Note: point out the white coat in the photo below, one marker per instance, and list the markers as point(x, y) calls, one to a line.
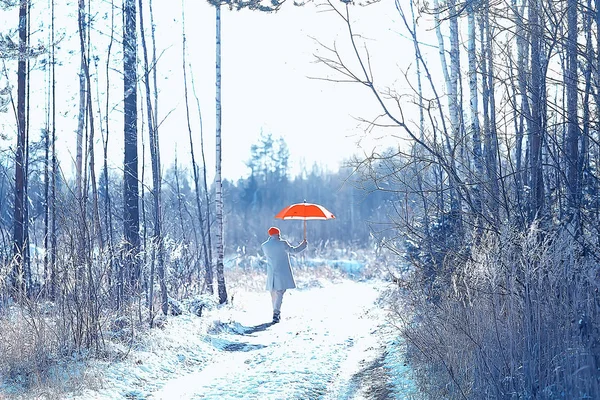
point(279, 271)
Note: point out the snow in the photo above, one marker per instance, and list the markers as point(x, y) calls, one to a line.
point(330, 338)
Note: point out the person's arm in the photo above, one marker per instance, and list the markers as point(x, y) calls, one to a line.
point(297, 249)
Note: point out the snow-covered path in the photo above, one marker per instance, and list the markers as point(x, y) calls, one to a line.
point(327, 336)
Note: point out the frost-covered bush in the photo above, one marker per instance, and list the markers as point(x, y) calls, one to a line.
point(433, 253)
point(120, 328)
point(519, 320)
point(197, 304)
point(175, 307)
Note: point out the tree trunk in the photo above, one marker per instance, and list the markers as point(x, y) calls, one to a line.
point(209, 271)
point(157, 247)
point(82, 113)
point(455, 108)
point(18, 280)
point(535, 127)
point(451, 75)
point(584, 153)
point(85, 70)
point(490, 137)
point(46, 276)
point(524, 110)
point(116, 290)
point(219, 184)
point(26, 248)
point(474, 111)
point(572, 142)
point(131, 216)
point(53, 236)
point(207, 261)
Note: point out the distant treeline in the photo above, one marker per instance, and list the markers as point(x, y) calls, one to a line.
point(250, 206)
point(252, 202)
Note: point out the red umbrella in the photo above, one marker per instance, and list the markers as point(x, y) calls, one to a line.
point(305, 211)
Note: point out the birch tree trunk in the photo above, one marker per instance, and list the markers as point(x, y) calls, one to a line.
point(474, 111)
point(455, 108)
point(451, 74)
point(82, 109)
point(417, 150)
point(26, 248)
point(219, 184)
point(54, 173)
point(47, 286)
point(46, 278)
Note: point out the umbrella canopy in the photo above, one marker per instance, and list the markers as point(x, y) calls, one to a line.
point(305, 211)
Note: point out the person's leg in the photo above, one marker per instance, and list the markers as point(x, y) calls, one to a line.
point(273, 298)
point(277, 298)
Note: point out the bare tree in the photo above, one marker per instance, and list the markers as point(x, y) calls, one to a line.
point(54, 173)
point(157, 239)
point(19, 243)
point(536, 123)
point(222, 290)
point(474, 109)
point(82, 105)
point(572, 143)
point(207, 255)
point(116, 290)
point(490, 143)
point(131, 218)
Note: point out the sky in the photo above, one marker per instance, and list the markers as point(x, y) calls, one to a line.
point(268, 81)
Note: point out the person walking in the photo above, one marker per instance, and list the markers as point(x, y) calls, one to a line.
point(279, 271)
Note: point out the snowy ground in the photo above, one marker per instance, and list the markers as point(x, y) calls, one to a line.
point(333, 343)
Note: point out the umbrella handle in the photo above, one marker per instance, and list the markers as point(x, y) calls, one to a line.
point(304, 229)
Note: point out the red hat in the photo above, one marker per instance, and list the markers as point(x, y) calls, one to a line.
point(274, 231)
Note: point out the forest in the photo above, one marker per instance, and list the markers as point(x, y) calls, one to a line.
point(488, 200)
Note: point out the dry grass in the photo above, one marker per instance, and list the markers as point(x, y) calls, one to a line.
point(34, 358)
point(38, 354)
point(519, 320)
point(43, 350)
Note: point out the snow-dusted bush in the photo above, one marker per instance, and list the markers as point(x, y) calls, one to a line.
point(197, 304)
point(36, 352)
point(175, 307)
point(520, 319)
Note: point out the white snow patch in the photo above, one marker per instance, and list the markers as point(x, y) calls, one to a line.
point(327, 335)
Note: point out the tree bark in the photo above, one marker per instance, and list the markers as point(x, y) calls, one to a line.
point(207, 261)
point(474, 111)
point(490, 135)
point(536, 178)
point(571, 81)
point(53, 236)
point(219, 184)
point(131, 216)
point(156, 183)
point(116, 290)
point(18, 280)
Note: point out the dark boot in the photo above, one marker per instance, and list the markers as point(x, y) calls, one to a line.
point(276, 317)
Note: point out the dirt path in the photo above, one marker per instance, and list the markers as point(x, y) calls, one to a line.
point(327, 346)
